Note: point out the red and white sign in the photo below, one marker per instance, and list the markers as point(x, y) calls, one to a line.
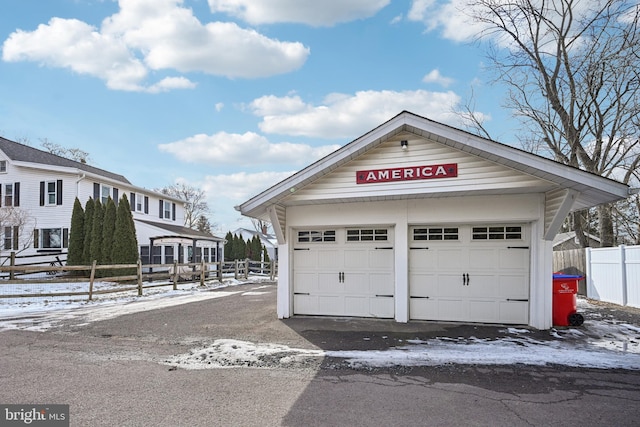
point(411, 173)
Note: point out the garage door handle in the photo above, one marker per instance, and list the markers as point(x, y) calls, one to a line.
point(300, 249)
point(341, 277)
point(518, 300)
point(385, 247)
point(384, 296)
point(419, 297)
point(418, 248)
point(465, 279)
point(301, 293)
point(517, 247)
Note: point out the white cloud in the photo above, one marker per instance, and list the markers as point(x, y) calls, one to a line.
point(170, 83)
point(243, 150)
point(153, 35)
point(348, 116)
point(449, 16)
point(455, 19)
point(239, 187)
point(434, 76)
point(69, 43)
point(310, 12)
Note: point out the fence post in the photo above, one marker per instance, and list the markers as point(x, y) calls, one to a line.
point(202, 272)
point(246, 268)
point(220, 267)
point(235, 273)
point(91, 278)
point(272, 267)
point(623, 273)
point(139, 278)
point(175, 275)
point(12, 272)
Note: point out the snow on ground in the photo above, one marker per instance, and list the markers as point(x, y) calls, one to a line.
point(600, 343)
point(42, 313)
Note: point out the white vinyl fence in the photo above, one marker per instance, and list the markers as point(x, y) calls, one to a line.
point(613, 275)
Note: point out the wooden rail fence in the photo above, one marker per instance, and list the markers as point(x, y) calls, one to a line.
point(142, 276)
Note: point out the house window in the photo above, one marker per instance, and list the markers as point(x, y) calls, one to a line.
point(312, 236)
point(11, 238)
point(435, 233)
point(105, 193)
point(168, 254)
point(54, 238)
point(8, 195)
point(206, 254)
point(367, 235)
point(3, 166)
point(52, 193)
point(144, 254)
point(157, 255)
point(497, 233)
point(166, 210)
point(139, 203)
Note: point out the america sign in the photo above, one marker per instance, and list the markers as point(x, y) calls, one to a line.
point(411, 173)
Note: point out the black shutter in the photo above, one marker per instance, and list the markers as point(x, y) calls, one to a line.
point(41, 193)
point(96, 191)
point(146, 204)
point(173, 211)
point(0, 195)
point(160, 208)
point(65, 237)
point(59, 192)
point(115, 196)
point(16, 194)
point(15, 237)
point(36, 238)
point(133, 201)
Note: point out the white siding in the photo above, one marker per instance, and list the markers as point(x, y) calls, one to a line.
point(74, 184)
point(474, 174)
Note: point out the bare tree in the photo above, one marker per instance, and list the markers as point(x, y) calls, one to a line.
point(70, 153)
point(196, 205)
point(572, 69)
point(16, 230)
point(260, 226)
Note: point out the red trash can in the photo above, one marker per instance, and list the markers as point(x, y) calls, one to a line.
point(565, 302)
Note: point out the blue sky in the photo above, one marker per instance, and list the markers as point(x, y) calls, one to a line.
point(231, 96)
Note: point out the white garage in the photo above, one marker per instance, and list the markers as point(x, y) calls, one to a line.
point(416, 220)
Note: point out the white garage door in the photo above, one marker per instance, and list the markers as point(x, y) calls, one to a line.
point(469, 273)
point(344, 272)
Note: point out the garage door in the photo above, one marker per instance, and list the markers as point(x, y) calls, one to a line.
point(344, 272)
point(469, 273)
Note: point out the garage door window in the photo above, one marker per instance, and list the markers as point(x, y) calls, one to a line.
point(497, 233)
point(367, 235)
point(314, 236)
point(435, 233)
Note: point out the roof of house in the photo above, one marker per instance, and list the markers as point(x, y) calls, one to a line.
point(570, 235)
point(267, 238)
point(591, 189)
point(181, 231)
point(23, 153)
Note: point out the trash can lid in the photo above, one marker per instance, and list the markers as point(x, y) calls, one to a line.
point(566, 276)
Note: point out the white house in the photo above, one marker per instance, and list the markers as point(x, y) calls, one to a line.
point(416, 220)
point(269, 241)
point(44, 186)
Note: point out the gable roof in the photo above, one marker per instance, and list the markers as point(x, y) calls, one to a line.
point(590, 189)
point(23, 153)
point(180, 231)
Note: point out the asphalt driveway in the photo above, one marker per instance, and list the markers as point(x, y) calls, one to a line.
point(130, 370)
